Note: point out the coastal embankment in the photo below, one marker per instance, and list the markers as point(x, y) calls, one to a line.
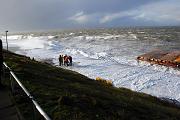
point(66, 94)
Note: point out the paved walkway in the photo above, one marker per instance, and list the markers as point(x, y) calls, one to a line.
point(7, 108)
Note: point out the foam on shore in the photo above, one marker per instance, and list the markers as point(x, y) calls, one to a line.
point(110, 56)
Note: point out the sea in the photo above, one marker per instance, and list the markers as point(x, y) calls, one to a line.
point(109, 53)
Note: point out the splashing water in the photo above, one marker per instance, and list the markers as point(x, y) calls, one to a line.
point(110, 54)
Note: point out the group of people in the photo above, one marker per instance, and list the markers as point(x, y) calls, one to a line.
point(65, 60)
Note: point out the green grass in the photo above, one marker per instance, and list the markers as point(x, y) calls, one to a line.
point(68, 95)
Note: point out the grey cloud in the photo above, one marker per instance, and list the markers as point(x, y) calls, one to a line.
point(52, 14)
point(162, 12)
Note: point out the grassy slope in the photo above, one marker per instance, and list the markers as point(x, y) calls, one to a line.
point(69, 95)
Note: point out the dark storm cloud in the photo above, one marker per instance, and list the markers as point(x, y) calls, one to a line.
point(53, 14)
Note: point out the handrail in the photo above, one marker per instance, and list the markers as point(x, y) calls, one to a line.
point(41, 111)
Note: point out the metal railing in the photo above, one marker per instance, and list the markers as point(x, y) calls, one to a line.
point(36, 105)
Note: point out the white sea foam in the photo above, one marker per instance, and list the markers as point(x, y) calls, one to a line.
point(29, 42)
point(107, 57)
point(133, 36)
point(51, 37)
point(71, 33)
point(13, 37)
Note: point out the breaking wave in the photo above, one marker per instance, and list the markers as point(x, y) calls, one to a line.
point(110, 56)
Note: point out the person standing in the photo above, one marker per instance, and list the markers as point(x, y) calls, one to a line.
point(70, 60)
point(1, 62)
point(66, 60)
point(60, 60)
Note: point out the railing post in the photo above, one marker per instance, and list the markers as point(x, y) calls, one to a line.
point(35, 114)
point(33, 108)
point(12, 84)
point(6, 40)
point(1, 62)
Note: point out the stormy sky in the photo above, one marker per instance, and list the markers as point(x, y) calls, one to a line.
point(27, 15)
